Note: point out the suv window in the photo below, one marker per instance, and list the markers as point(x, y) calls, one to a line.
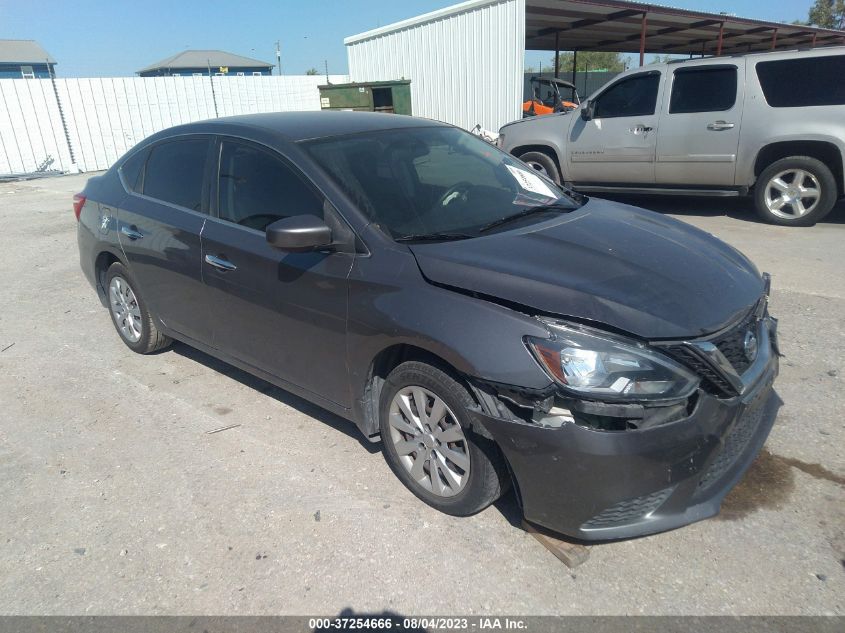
point(704, 89)
point(175, 171)
point(809, 81)
point(131, 170)
point(634, 96)
point(257, 188)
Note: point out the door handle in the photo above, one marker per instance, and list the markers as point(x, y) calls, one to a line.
point(219, 263)
point(641, 129)
point(131, 232)
point(718, 126)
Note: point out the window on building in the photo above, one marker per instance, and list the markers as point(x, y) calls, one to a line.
point(703, 89)
point(634, 96)
point(27, 72)
point(255, 72)
point(257, 188)
point(174, 172)
point(240, 74)
point(806, 81)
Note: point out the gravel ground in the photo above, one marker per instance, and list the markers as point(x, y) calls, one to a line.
point(115, 500)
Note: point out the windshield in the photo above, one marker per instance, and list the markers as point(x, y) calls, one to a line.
point(437, 182)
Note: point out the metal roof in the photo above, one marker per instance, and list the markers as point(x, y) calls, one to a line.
point(203, 59)
point(24, 52)
point(618, 26)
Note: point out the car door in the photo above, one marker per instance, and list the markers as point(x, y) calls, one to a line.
point(159, 225)
point(699, 126)
point(281, 312)
point(617, 145)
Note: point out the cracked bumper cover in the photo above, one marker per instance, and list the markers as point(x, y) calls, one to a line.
point(601, 485)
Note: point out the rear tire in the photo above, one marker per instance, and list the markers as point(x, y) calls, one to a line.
point(795, 191)
point(129, 313)
point(469, 469)
point(543, 163)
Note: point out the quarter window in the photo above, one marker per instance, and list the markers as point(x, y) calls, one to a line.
point(175, 171)
point(705, 89)
point(808, 81)
point(257, 188)
point(131, 170)
point(634, 96)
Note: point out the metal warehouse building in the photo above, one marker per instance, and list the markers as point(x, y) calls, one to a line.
point(465, 62)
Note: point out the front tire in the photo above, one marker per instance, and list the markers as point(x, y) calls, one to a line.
point(795, 191)
point(129, 313)
point(543, 163)
point(428, 443)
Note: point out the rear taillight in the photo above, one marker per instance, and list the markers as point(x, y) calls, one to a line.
point(78, 203)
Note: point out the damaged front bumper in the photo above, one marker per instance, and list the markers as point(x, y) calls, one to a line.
point(599, 485)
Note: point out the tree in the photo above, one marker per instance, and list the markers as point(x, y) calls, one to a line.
point(829, 14)
point(592, 60)
point(312, 71)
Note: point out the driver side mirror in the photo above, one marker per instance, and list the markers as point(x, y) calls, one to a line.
point(587, 110)
point(299, 234)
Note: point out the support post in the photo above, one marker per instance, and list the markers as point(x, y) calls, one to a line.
point(721, 37)
point(557, 54)
point(774, 39)
point(813, 44)
point(643, 25)
point(574, 65)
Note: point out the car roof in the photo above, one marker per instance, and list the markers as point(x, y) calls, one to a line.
point(300, 126)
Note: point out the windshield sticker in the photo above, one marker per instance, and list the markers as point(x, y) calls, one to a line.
point(531, 182)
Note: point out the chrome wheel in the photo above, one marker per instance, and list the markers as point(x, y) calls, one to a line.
point(125, 309)
point(792, 193)
point(429, 441)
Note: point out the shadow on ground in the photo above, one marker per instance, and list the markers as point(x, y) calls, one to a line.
point(262, 386)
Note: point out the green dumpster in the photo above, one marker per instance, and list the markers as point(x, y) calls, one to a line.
point(375, 96)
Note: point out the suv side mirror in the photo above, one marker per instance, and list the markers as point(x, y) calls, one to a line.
point(587, 110)
point(299, 233)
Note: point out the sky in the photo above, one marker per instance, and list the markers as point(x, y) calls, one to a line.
point(103, 38)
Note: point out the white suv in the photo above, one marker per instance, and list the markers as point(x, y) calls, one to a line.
point(770, 125)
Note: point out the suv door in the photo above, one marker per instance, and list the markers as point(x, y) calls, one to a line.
point(699, 127)
point(281, 312)
point(617, 145)
point(159, 225)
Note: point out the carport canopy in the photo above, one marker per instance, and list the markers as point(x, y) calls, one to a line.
point(617, 26)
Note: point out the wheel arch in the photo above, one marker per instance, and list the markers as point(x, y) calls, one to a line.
point(825, 151)
point(105, 258)
point(384, 362)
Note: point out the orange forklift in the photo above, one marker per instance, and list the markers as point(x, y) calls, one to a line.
point(550, 95)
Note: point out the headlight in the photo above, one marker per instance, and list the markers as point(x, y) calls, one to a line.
point(602, 366)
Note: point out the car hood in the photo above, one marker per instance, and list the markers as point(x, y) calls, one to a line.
point(631, 269)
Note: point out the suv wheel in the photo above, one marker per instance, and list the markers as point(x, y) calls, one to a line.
point(538, 161)
point(428, 444)
point(795, 191)
point(129, 313)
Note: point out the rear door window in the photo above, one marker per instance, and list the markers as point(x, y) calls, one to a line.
point(634, 96)
point(808, 81)
point(257, 188)
point(175, 171)
point(703, 89)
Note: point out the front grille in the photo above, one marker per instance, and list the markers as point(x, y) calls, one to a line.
point(735, 443)
point(630, 510)
point(713, 380)
point(732, 345)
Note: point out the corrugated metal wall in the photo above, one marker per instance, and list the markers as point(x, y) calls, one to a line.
point(465, 65)
point(105, 117)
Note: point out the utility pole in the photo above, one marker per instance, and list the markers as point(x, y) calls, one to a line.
point(279, 56)
point(326, 64)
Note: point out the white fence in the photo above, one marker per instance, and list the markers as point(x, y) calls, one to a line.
point(105, 117)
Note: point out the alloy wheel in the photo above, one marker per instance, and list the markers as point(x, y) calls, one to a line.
point(792, 193)
point(429, 441)
point(125, 309)
point(537, 167)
